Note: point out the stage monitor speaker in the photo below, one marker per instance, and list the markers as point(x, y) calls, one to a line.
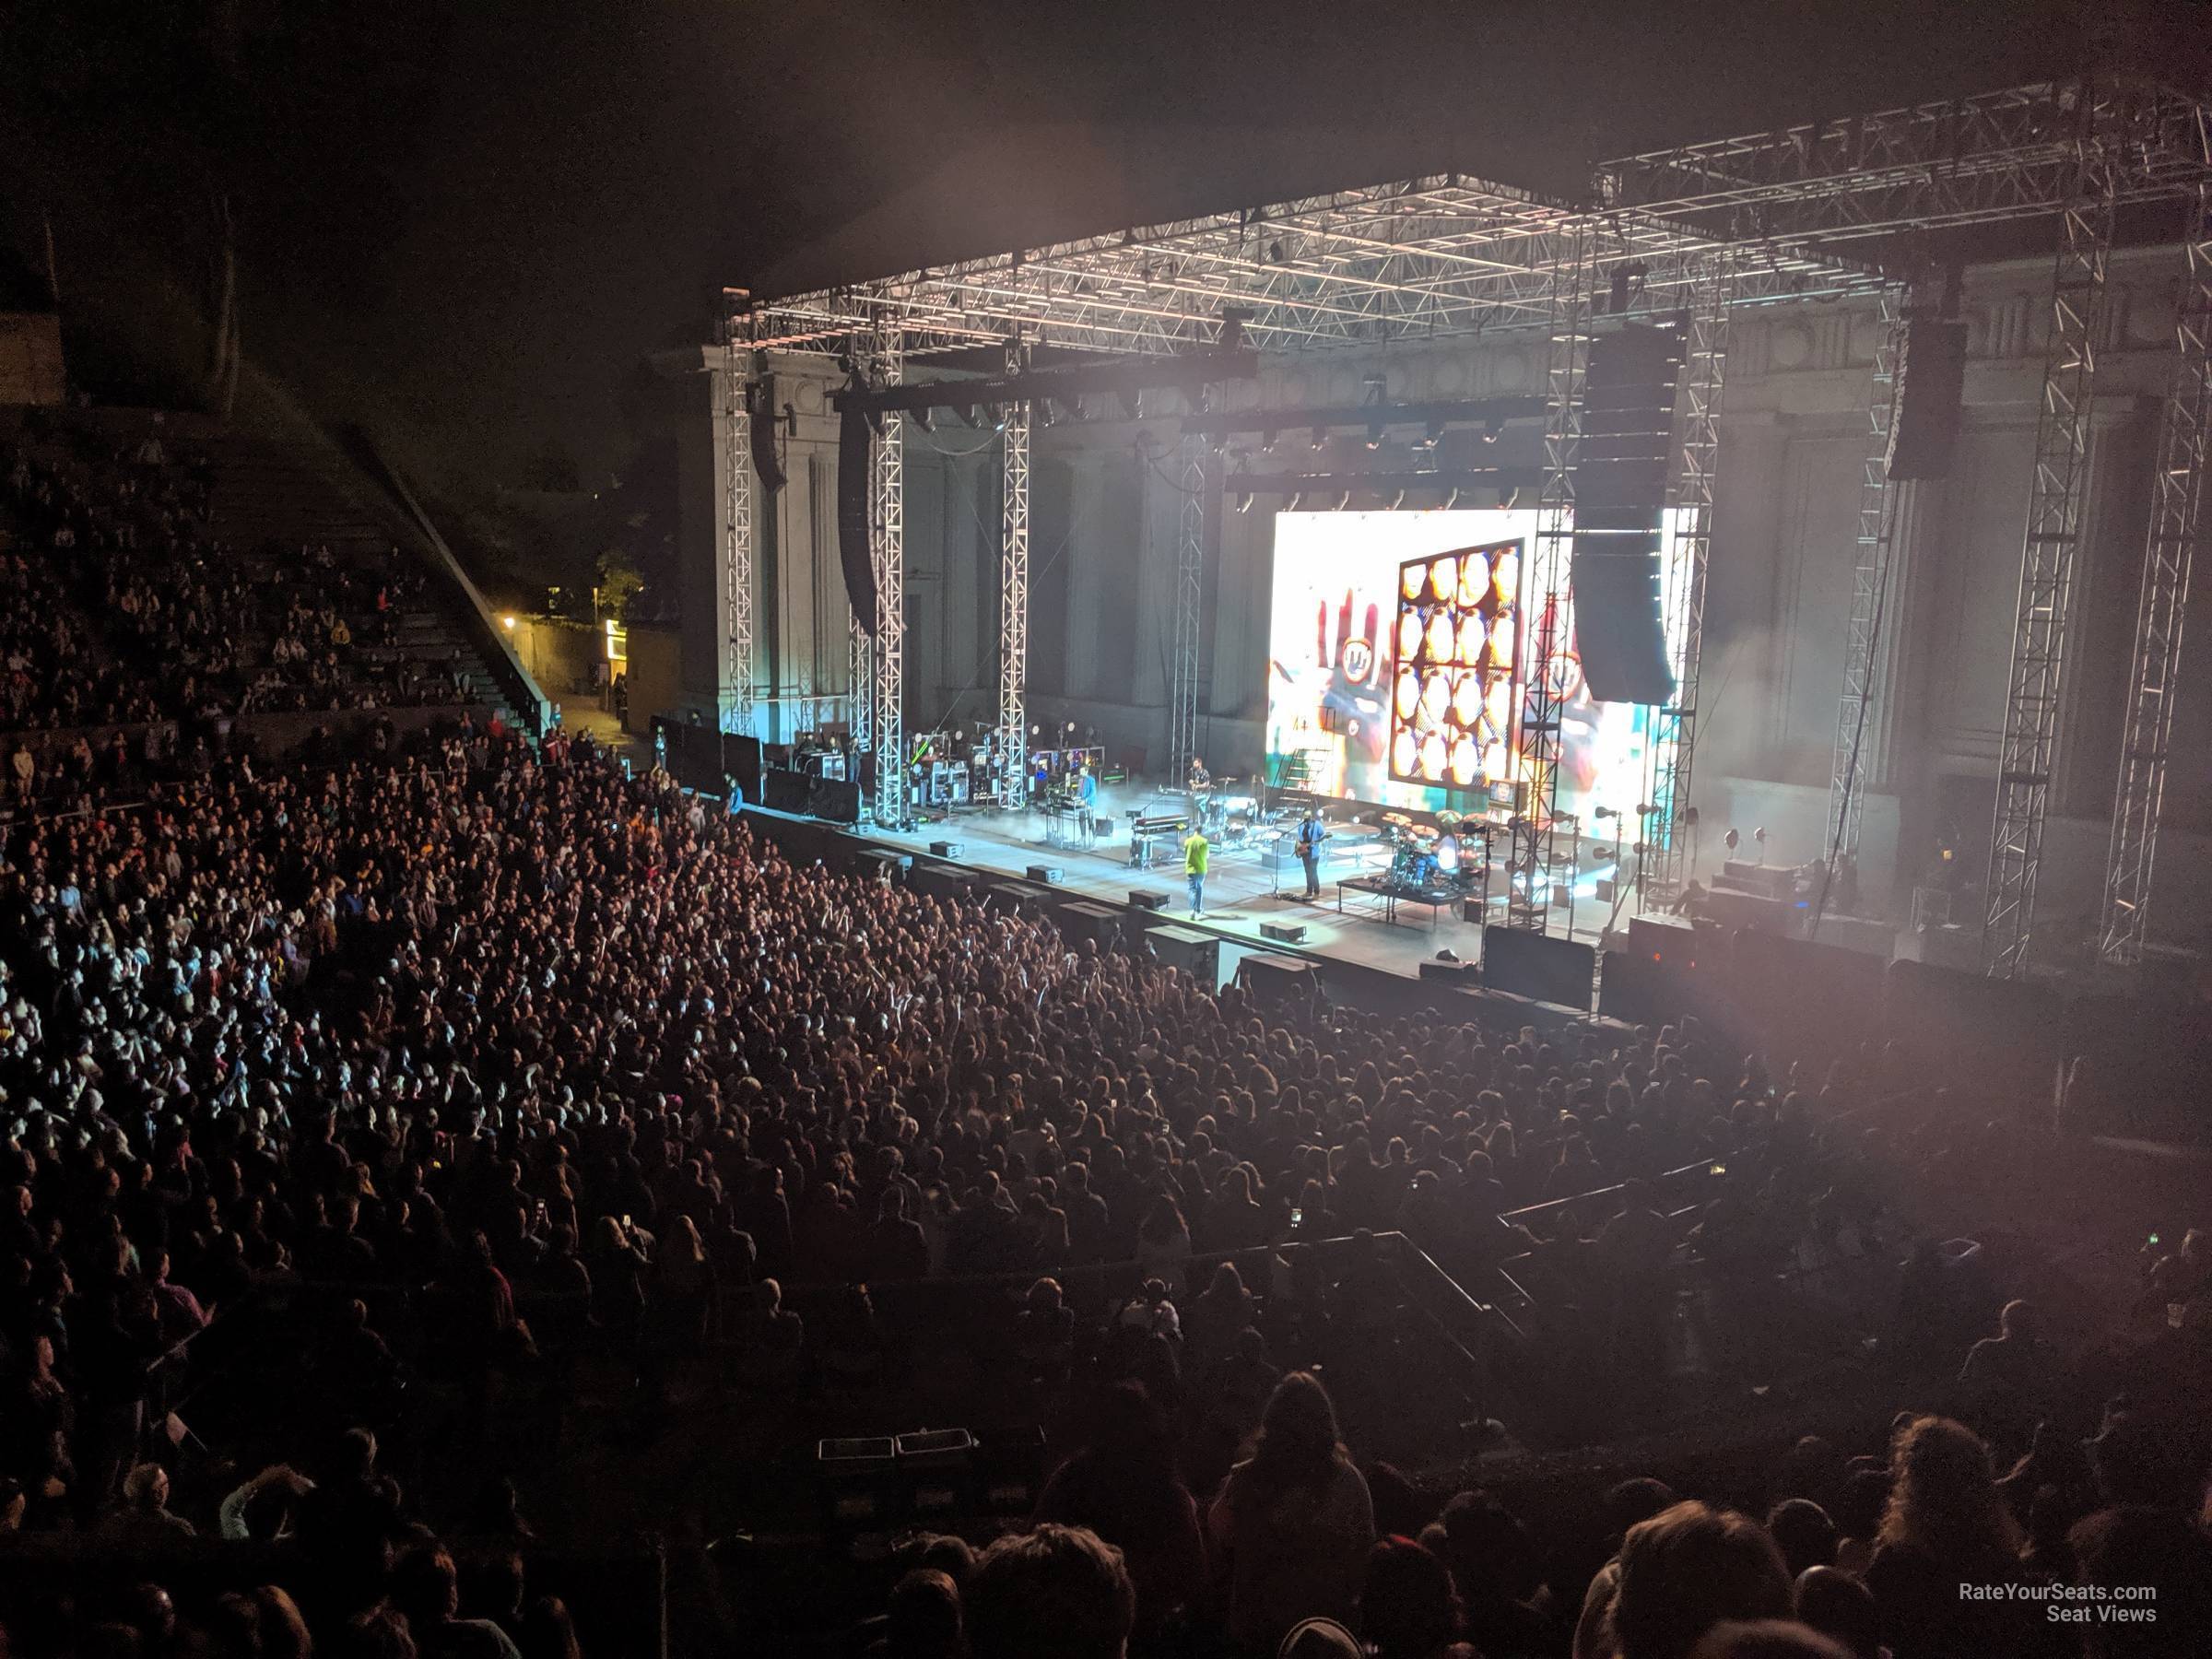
point(1536, 965)
point(1662, 939)
point(760, 405)
point(856, 472)
point(1274, 979)
point(1620, 513)
point(1931, 372)
point(1459, 974)
point(1197, 954)
point(1046, 874)
point(1284, 933)
point(948, 848)
point(1081, 919)
point(1147, 899)
point(1634, 989)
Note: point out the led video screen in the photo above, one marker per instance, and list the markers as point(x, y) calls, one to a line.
point(1372, 694)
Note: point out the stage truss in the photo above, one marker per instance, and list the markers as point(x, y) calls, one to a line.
point(1014, 599)
point(737, 532)
point(1793, 211)
point(1185, 646)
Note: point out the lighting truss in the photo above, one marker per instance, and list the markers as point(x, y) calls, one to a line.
point(1869, 597)
point(1190, 611)
point(1536, 859)
point(2055, 488)
point(1970, 160)
point(860, 689)
point(886, 548)
point(2184, 436)
point(737, 529)
point(1014, 600)
point(1696, 458)
point(1425, 258)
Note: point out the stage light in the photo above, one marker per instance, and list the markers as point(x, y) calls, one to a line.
point(1244, 501)
point(1344, 500)
point(1274, 251)
point(1374, 434)
point(1132, 402)
point(1321, 437)
point(508, 623)
point(1267, 437)
point(1397, 501)
point(971, 417)
point(1433, 431)
point(920, 417)
point(1490, 434)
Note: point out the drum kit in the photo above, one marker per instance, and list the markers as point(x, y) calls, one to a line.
point(1426, 857)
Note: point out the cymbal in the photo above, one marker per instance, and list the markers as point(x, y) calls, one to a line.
point(1400, 819)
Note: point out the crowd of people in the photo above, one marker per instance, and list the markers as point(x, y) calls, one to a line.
point(587, 1066)
point(125, 604)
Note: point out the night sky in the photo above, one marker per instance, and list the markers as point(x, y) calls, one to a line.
point(464, 223)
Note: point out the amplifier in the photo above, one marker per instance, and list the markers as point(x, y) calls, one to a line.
point(1048, 873)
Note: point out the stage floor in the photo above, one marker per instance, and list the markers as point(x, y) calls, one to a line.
point(1240, 892)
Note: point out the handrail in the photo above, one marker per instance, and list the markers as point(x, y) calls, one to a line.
point(1620, 1186)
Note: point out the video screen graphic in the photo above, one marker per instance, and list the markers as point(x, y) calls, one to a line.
point(1452, 691)
point(1336, 653)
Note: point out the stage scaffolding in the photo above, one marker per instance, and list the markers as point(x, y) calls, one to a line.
point(1787, 213)
point(1869, 600)
point(1014, 600)
point(737, 532)
point(2178, 482)
point(887, 546)
point(1184, 667)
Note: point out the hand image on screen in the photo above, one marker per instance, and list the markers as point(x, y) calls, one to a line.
point(1353, 708)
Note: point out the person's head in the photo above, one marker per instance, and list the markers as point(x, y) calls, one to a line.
point(1942, 1499)
point(1408, 1606)
point(2020, 1321)
point(1766, 1639)
point(426, 1588)
point(1689, 1569)
point(1635, 1499)
point(1054, 1589)
point(381, 1632)
point(547, 1630)
point(1297, 1429)
point(147, 1486)
point(1835, 1604)
point(283, 1631)
point(924, 1617)
point(1802, 1531)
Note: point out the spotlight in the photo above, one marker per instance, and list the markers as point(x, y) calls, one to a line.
point(1490, 434)
point(1374, 434)
point(1321, 436)
point(1274, 251)
point(1268, 437)
point(1245, 502)
point(920, 417)
point(1071, 727)
point(1376, 386)
point(1132, 402)
point(1430, 434)
point(971, 418)
point(1036, 730)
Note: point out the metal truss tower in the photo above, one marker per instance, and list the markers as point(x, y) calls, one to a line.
point(1674, 728)
point(1190, 614)
point(2052, 536)
point(738, 523)
point(1870, 594)
point(1014, 600)
point(2185, 437)
point(887, 546)
point(1536, 861)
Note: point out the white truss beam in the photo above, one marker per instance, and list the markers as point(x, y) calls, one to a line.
point(1697, 463)
point(1014, 601)
point(2026, 759)
point(737, 522)
point(886, 548)
point(1541, 850)
point(1186, 648)
point(1869, 596)
point(2178, 487)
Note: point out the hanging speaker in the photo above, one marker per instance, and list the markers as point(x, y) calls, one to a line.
point(1931, 370)
point(855, 469)
point(760, 404)
point(1619, 508)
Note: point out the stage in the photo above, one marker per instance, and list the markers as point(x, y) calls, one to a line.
point(1241, 892)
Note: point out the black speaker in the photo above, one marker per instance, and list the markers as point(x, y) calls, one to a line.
point(782, 790)
point(1619, 507)
point(741, 761)
point(760, 404)
point(837, 799)
point(1532, 964)
point(1931, 372)
point(855, 468)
